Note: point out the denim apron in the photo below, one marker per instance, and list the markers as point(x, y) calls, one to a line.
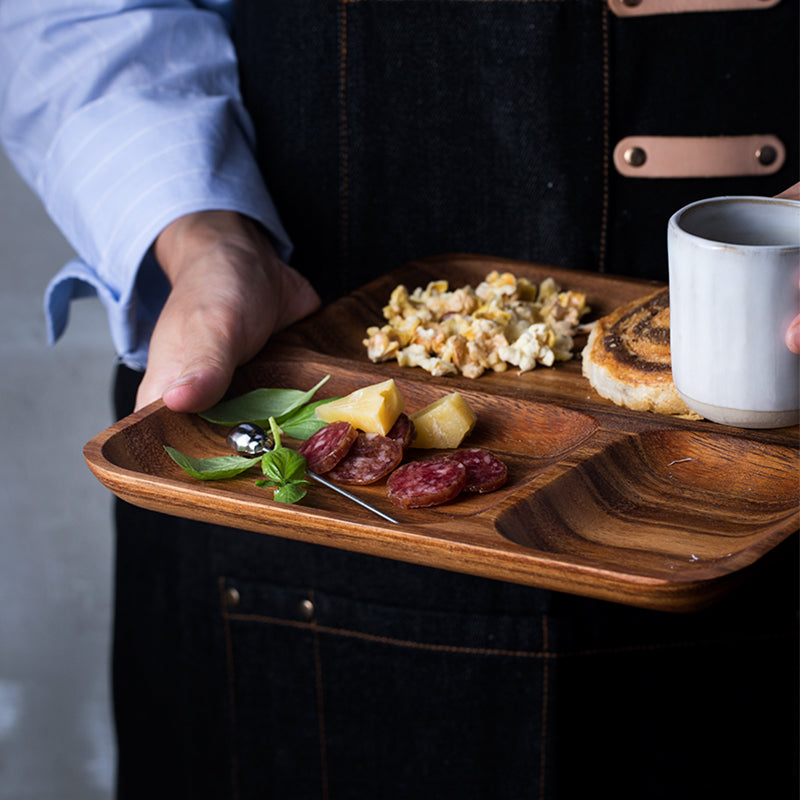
point(255, 666)
point(394, 129)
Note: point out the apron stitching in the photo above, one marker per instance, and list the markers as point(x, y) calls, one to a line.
point(389, 640)
point(344, 152)
point(601, 266)
point(231, 689)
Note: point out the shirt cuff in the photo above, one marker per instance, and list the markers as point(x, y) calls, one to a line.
point(120, 171)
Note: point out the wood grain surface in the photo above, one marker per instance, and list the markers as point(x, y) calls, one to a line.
point(601, 501)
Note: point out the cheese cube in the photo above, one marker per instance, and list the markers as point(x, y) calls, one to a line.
point(372, 409)
point(444, 423)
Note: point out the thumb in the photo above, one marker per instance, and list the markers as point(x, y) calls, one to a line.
point(189, 367)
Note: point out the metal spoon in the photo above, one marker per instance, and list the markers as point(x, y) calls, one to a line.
point(249, 439)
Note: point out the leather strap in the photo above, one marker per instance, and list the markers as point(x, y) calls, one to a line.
point(698, 156)
point(644, 8)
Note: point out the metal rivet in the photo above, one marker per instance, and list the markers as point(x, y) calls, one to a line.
point(766, 155)
point(635, 156)
point(232, 597)
point(306, 609)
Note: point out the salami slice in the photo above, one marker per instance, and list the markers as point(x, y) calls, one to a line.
point(485, 471)
point(420, 484)
point(403, 430)
point(324, 449)
point(370, 458)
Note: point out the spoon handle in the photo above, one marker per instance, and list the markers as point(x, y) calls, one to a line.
point(349, 496)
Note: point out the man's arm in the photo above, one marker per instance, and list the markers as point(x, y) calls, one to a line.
point(125, 116)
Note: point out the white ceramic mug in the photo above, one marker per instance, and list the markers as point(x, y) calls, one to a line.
point(734, 275)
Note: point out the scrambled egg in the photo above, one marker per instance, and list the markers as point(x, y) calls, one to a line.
point(503, 321)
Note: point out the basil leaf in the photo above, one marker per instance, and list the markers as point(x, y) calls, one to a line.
point(295, 466)
point(211, 469)
point(283, 465)
point(259, 405)
point(286, 411)
point(284, 469)
point(290, 493)
point(302, 422)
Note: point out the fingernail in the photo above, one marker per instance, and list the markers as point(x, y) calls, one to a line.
point(184, 380)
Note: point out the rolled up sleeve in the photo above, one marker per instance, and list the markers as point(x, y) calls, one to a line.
point(122, 121)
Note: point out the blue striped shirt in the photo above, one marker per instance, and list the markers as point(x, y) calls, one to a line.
point(123, 115)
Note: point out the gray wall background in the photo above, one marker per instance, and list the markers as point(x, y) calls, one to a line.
point(56, 547)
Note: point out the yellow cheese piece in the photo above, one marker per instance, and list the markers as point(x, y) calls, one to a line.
point(444, 423)
point(372, 409)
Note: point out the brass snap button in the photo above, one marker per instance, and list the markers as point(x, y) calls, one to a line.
point(306, 609)
point(232, 597)
point(635, 156)
point(766, 155)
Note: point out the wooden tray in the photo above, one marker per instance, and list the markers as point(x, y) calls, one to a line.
point(604, 502)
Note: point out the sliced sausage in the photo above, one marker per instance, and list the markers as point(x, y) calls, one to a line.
point(403, 430)
point(419, 484)
point(324, 449)
point(371, 457)
point(485, 471)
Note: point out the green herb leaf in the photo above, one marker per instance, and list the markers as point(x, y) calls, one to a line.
point(283, 465)
point(286, 411)
point(259, 405)
point(291, 492)
point(211, 469)
point(284, 470)
point(275, 430)
point(302, 422)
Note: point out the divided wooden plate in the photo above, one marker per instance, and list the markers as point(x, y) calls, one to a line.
point(601, 501)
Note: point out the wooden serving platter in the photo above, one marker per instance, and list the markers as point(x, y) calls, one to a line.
point(601, 501)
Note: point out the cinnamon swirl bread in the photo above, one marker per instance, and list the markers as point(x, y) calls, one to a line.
point(627, 357)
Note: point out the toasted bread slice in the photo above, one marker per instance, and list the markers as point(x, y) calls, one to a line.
point(627, 357)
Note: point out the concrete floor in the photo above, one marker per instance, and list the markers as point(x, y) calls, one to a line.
point(56, 548)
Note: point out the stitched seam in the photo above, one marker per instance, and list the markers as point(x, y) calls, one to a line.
point(323, 744)
point(387, 640)
point(231, 689)
point(601, 266)
point(344, 144)
point(543, 654)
